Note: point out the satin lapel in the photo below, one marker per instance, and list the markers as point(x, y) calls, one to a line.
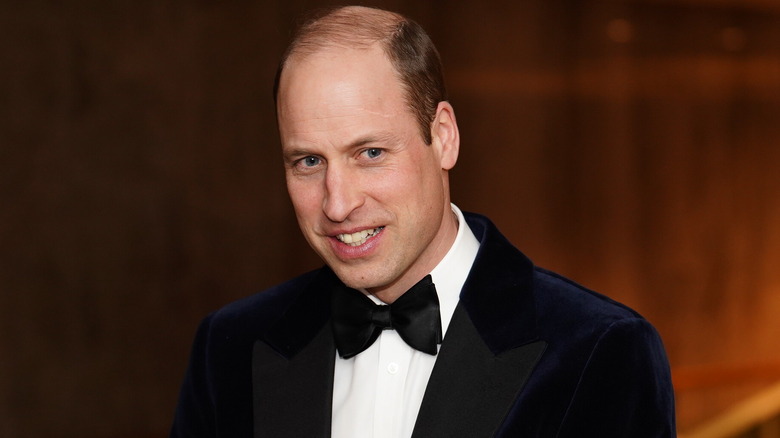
point(292, 367)
point(471, 389)
point(292, 397)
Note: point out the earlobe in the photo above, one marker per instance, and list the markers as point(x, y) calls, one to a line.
point(445, 135)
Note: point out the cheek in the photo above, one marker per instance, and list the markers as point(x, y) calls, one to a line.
point(393, 189)
point(304, 197)
point(414, 182)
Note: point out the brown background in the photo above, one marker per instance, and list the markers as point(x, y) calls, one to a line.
point(631, 145)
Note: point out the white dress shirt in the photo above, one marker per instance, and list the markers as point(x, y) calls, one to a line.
point(377, 394)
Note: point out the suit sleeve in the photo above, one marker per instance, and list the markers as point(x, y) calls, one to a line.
point(194, 416)
point(625, 390)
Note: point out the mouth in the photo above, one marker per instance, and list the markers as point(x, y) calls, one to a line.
point(360, 237)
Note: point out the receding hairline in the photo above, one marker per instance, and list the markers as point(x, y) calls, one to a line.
point(336, 50)
point(345, 27)
point(405, 44)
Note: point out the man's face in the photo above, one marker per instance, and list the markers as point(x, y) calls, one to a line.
point(371, 198)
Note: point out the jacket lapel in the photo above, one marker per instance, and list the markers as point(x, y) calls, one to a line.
point(491, 346)
point(280, 410)
point(471, 389)
point(296, 357)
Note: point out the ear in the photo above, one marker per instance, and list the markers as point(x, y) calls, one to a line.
point(445, 136)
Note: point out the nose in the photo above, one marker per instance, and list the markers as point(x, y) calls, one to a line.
point(342, 194)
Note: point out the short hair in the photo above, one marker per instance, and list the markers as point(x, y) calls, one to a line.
point(407, 45)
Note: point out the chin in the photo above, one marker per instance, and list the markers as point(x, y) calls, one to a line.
point(357, 278)
point(355, 282)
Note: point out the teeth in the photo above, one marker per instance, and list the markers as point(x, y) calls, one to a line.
point(359, 238)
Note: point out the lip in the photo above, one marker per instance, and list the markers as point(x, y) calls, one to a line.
point(347, 252)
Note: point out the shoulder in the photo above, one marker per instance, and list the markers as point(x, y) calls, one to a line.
point(554, 291)
point(582, 320)
point(601, 353)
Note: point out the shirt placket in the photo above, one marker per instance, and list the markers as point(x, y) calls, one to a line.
point(392, 369)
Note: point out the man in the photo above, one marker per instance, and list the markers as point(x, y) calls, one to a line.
point(497, 347)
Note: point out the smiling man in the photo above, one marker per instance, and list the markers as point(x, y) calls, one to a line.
point(425, 321)
point(372, 198)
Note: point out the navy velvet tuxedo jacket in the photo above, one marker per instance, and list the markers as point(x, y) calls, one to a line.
point(527, 354)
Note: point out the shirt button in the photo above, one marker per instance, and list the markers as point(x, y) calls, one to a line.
point(392, 368)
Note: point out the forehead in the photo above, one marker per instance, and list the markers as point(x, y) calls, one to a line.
point(339, 77)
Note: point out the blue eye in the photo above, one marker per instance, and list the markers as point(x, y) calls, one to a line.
point(310, 161)
point(373, 152)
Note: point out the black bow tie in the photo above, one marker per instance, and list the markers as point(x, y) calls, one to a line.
point(357, 321)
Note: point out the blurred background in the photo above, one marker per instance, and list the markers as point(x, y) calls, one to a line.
point(630, 145)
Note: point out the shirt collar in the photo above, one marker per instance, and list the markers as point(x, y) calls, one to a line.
point(451, 272)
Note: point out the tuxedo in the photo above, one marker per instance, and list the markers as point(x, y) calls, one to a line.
point(527, 353)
